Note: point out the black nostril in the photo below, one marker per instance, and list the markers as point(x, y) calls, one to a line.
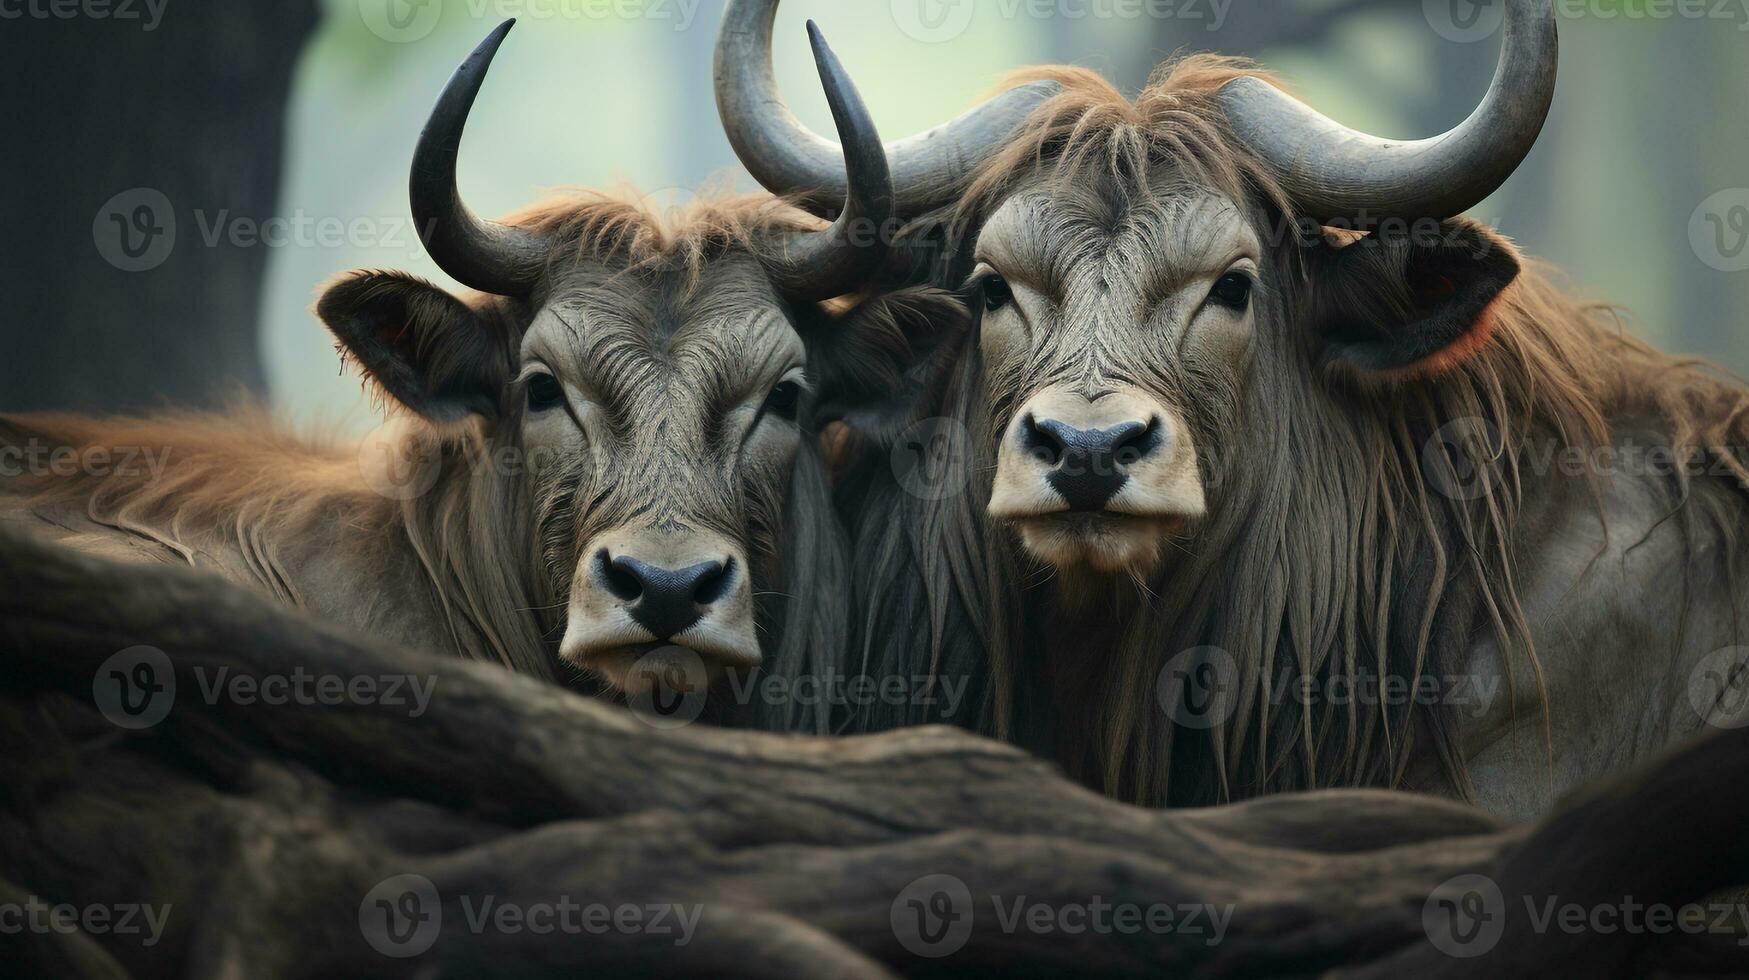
point(1135, 441)
point(715, 582)
point(1090, 465)
point(1041, 441)
point(617, 577)
point(1122, 444)
point(665, 601)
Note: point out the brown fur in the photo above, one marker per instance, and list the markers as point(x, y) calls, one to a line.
point(1328, 553)
point(490, 554)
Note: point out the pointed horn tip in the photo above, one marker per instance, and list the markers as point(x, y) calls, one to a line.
point(786, 157)
point(488, 48)
point(823, 54)
point(483, 255)
point(839, 86)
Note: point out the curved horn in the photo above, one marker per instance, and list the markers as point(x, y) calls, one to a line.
point(484, 255)
point(929, 169)
point(822, 264)
point(1333, 172)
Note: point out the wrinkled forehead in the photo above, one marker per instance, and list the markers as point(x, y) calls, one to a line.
point(1048, 235)
point(722, 324)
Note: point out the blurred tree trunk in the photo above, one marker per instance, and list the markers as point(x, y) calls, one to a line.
point(128, 139)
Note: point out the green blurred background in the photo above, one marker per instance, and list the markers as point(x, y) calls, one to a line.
point(1636, 189)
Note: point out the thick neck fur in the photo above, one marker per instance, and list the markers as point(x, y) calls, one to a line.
point(1336, 546)
point(1337, 549)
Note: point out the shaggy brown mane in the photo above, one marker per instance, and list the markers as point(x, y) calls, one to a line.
point(1089, 129)
point(1335, 557)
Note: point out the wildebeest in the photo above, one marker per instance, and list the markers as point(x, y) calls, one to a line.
point(1270, 456)
point(612, 446)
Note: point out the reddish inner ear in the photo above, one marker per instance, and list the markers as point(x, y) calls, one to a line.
point(1465, 346)
point(1405, 310)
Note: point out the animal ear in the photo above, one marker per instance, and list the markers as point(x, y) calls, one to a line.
point(428, 350)
point(874, 361)
point(1409, 303)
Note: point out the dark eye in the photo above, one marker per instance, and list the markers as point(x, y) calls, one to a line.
point(783, 400)
point(1232, 291)
point(544, 392)
point(995, 292)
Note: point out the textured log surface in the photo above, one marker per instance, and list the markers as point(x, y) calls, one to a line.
point(277, 834)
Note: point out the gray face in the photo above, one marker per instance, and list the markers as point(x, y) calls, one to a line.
point(663, 422)
point(1105, 320)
